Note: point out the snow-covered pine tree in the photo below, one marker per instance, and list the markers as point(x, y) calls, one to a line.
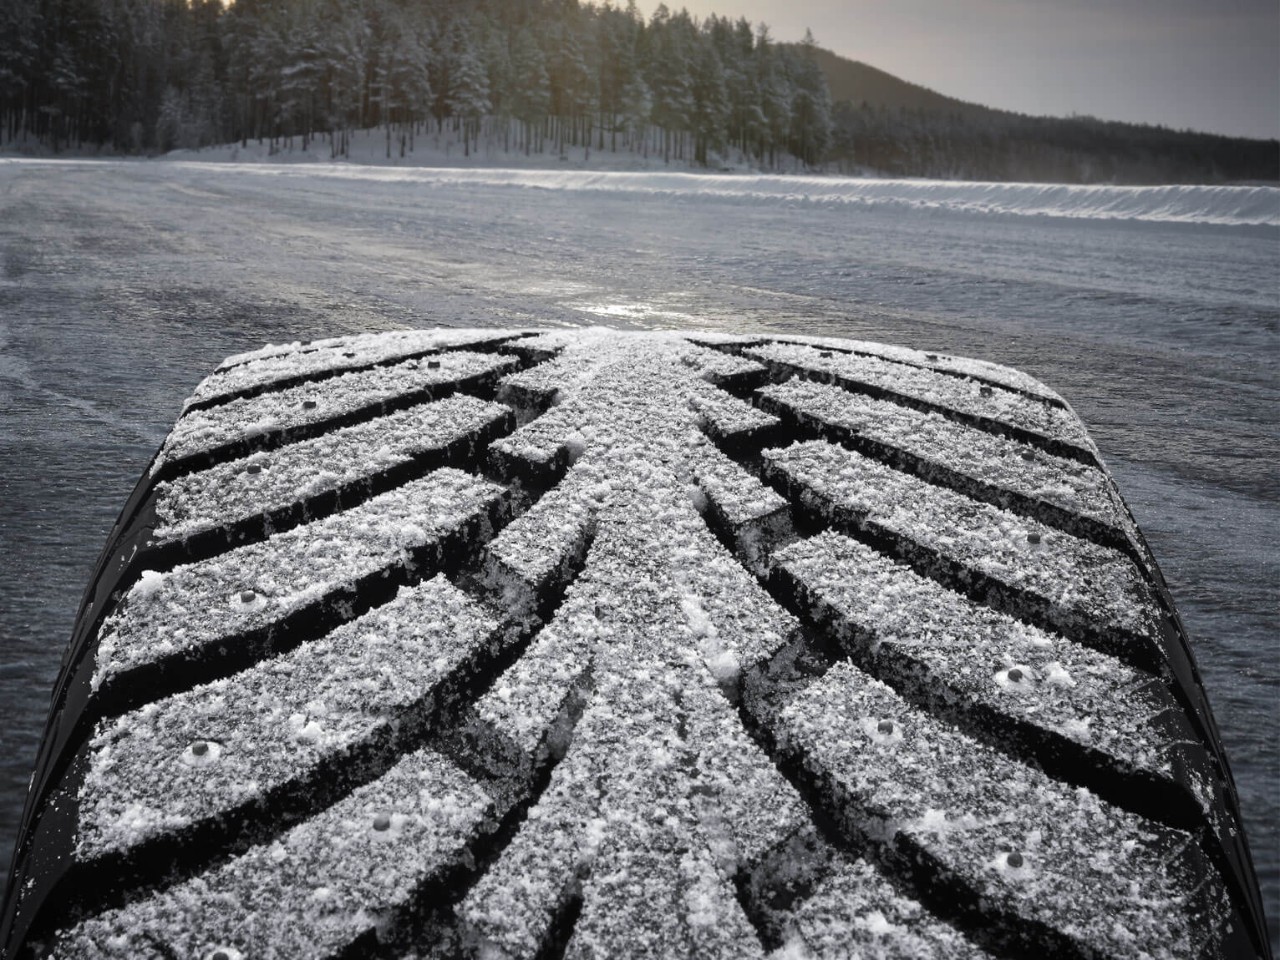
point(810, 104)
point(468, 96)
point(530, 96)
point(710, 103)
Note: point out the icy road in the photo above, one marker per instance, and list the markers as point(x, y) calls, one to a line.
point(122, 284)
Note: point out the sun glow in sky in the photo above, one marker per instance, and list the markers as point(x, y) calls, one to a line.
point(1210, 65)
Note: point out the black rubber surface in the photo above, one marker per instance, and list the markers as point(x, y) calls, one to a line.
point(603, 644)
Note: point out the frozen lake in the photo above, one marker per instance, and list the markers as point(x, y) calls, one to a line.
point(122, 284)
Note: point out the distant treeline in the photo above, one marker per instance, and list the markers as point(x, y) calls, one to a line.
point(145, 76)
point(151, 75)
point(983, 144)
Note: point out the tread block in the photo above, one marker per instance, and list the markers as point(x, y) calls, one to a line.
point(996, 469)
point(1066, 706)
point(1004, 839)
point(994, 409)
point(726, 419)
point(204, 437)
point(729, 371)
point(249, 595)
point(512, 908)
point(297, 481)
point(963, 367)
point(854, 911)
point(748, 513)
point(327, 884)
point(1072, 586)
point(536, 549)
point(525, 701)
point(274, 369)
point(326, 710)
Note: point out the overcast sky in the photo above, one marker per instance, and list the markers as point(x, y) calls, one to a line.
point(1205, 64)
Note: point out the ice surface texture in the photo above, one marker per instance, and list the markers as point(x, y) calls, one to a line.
point(594, 644)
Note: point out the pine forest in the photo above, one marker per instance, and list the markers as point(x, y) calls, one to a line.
point(151, 75)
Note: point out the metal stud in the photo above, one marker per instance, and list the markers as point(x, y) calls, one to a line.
point(1014, 859)
point(1033, 537)
point(824, 353)
point(1028, 455)
point(247, 596)
point(931, 356)
point(308, 404)
point(253, 468)
point(885, 726)
point(985, 391)
point(433, 364)
point(1014, 675)
point(382, 823)
point(199, 748)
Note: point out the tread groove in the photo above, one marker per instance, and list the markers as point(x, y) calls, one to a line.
point(1058, 756)
point(799, 426)
point(482, 386)
point(738, 349)
point(781, 372)
point(771, 685)
point(431, 923)
point(464, 453)
point(978, 586)
point(113, 881)
point(319, 376)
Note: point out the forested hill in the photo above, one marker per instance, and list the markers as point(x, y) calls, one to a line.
point(151, 75)
point(533, 76)
point(851, 81)
point(885, 124)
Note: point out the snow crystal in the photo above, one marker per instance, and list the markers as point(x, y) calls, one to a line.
point(150, 582)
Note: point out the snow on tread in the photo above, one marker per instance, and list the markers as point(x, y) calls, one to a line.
point(993, 373)
point(971, 657)
point(254, 374)
point(1002, 471)
point(853, 911)
point(333, 463)
point(194, 756)
point(241, 425)
point(204, 605)
point(1076, 586)
point(968, 400)
point(1027, 848)
point(628, 673)
point(317, 890)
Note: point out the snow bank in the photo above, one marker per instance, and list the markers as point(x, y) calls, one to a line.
point(1221, 205)
point(1213, 205)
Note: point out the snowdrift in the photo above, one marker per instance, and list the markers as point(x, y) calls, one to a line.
point(1220, 205)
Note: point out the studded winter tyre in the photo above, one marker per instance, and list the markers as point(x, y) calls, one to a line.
point(594, 644)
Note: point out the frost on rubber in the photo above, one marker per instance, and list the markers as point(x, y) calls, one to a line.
point(592, 644)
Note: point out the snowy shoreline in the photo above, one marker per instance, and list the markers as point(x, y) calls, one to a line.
point(439, 159)
point(1220, 206)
